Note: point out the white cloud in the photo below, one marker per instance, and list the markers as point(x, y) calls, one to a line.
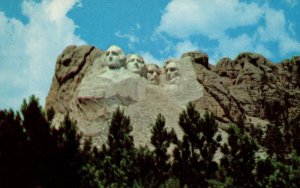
point(28, 52)
point(137, 26)
point(130, 36)
point(287, 45)
point(149, 58)
point(274, 25)
point(185, 46)
point(231, 47)
point(261, 49)
point(292, 3)
point(132, 39)
point(183, 18)
point(57, 10)
point(177, 51)
point(291, 28)
point(233, 25)
point(277, 30)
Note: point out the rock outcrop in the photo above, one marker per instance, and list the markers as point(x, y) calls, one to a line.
point(71, 66)
point(249, 87)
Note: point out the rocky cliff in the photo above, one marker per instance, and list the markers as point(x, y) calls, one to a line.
point(90, 83)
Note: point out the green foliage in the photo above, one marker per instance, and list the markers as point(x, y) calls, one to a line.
point(161, 140)
point(171, 183)
point(275, 111)
point(145, 167)
point(238, 162)
point(273, 173)
point(12, 148)
point(50, 114)
point(274, 142)
point(295, 134)
point(256, 133)
point(193, 157)
point(35, 123)
point(118, 163)
point(32, 154)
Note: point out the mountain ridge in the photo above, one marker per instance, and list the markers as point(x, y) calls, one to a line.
point(248, 87)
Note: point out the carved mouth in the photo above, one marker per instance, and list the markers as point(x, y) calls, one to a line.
point(113, 65)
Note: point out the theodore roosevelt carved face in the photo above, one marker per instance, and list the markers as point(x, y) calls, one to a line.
point(153, 73)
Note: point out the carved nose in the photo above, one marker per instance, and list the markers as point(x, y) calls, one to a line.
point(110, 58)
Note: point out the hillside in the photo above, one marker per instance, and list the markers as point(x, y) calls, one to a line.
point(90, 83)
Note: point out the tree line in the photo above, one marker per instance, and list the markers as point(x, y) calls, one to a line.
point(34, 154)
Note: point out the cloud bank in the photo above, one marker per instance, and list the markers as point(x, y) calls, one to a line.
point(255, 26)
point(28, 51)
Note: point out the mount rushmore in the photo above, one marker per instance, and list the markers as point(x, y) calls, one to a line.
point(89, 84)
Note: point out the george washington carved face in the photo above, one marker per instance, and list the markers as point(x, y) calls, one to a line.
point(114, 57)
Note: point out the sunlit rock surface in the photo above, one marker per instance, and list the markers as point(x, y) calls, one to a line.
point(89, 84)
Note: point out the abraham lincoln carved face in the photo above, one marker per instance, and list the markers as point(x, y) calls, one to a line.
point(172, 71)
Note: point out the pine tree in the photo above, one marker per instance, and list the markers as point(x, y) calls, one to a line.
point(193, 157)
point(34, 122)
point(89, 174)
point(145, 168)
point(161, 140)
point(13, 171)
point(67, 158)
point(274, 142)
point(34, 155)
point(238, 162)
point(118, 166)
point(295, 134)
point(39, 142)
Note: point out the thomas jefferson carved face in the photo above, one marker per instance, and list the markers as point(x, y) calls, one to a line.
point(135, 63)
point(114, 57)
point(153, 73)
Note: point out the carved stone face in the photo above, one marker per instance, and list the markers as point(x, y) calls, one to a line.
point(153, 73)
point(135, 63)
point(114, 57)
point(172, 72)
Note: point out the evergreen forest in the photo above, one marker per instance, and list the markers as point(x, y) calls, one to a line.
point(34, 154)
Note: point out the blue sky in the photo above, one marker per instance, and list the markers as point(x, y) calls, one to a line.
point(34, 32)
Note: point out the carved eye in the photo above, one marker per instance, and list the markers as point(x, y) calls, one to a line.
point(131, 60)
point(172, 69)
point(151, 71)
point(107, 53)
point(114, 53)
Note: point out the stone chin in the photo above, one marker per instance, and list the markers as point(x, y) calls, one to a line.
point(114, 57)
point(133, 68)
point(154, 81)
point(173, 80)
point(114, 65)
point(153, 73)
